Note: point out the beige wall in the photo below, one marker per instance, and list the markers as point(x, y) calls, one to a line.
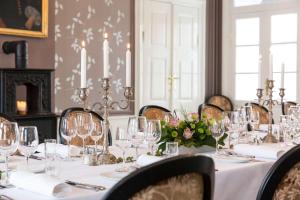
point(70, 22)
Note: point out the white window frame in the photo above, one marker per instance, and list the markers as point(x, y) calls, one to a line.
point(264, 12)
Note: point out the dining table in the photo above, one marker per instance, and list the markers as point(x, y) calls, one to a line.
point(233, 180)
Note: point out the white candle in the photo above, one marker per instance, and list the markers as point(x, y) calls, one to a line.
point(105, 56)
point(83, 66)
point(282, 75)
point(271, 67)
point(128, 66)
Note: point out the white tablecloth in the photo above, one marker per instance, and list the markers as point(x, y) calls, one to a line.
point(233, 180)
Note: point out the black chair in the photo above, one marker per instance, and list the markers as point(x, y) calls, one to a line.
point(286, 105)
point(155, 112)
point(283, 179)
point(263, 112)
point(6, 118)
point(211, 111)
point(221, 101)
point(71, 110)
point(193, 174)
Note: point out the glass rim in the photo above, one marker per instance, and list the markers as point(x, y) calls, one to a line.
point(50, 140)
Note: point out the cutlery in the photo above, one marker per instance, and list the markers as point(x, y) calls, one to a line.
point(5, 197)
point(6, 186)
point(85, 186)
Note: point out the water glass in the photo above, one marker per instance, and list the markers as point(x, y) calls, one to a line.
point(51, 158)
point(217, 129)
point(97, 132)
point(84, 125)
point(9, 138)
point(171, 149)
point(28, 141)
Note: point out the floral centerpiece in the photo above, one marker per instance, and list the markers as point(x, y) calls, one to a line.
point(189, 132)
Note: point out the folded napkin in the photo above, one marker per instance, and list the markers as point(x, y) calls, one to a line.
point(268, 151)
point(40, 183)
point(60, 149)
point(144, 160)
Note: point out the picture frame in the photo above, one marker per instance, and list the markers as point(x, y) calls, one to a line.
point(27, 18)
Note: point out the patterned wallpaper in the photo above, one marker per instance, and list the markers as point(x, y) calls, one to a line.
point(77, 20)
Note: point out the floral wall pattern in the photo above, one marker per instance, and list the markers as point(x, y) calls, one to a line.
point(78, 20)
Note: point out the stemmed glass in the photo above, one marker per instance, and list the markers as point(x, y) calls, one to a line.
point(286, 129)
point(136, 130)
point(68, 131)
point(123, 143)
point(85, 126)
point(153, 133)
point(254, 120)
point(9, 138)
point(217, 129)
point(28, 141)
point(97, 132)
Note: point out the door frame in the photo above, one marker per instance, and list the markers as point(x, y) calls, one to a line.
point(139, 31)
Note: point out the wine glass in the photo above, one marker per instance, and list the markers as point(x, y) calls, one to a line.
point(68, 131)
point(136, 130)
point(254, 120)
point(123, 143)
point(286, 129)
point(217, 129)
point(84, 125)
point(153, 133)
point(97, 132)
point(9, 138)
point(28, 141)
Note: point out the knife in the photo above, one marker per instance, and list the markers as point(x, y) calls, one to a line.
point(85, 186)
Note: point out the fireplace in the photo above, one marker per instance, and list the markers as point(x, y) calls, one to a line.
point(26, 96)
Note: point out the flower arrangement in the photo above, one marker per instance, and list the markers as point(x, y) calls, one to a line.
point(189, 132)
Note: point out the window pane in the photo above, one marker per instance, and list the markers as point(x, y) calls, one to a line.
point(284, 54)
point(245, 86)
point(247, 59)
point(289, 85)
point(247, 31)
point(284, 28)
point(238, 3)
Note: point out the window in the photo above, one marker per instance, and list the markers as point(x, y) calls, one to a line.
point(262, 34)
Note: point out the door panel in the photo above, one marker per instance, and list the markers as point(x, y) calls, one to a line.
point(157, 45)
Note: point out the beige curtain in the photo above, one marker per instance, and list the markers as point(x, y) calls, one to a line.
point(213, 71)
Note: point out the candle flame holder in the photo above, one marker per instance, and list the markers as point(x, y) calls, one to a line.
point(270, 102)
point(83, 96)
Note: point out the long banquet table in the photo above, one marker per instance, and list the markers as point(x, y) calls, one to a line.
point(232, 180)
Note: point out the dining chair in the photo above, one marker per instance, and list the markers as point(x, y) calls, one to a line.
point(155, 112)
point(183, 177)
point(221, 101)
point(71, 112)
point(286, 105)
point(263, 112)
point(210, 111)
point(6, 118)
point(282, 181)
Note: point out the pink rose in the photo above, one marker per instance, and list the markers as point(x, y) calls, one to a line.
point(174, 122)
point(187, 134)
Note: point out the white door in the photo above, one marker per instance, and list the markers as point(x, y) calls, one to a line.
point(157, 55)
point(186, 73)
point(170, 71)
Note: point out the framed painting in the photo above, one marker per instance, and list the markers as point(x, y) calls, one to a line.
point(24, 18)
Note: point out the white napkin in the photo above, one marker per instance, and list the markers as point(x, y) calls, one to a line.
point(269, 151)
point(61, 149)
point(40, 183)
point(144, 160)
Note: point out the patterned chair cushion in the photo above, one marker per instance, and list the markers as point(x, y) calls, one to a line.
point(211, 112)
point(221, 102)
point(77, 141)
point(263, 113)
point(289, 186)
point(156, 113)
point(188, 186)
point(287, 105)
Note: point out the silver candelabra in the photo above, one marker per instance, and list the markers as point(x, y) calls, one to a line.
point(106, 105)
point(270, 102)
